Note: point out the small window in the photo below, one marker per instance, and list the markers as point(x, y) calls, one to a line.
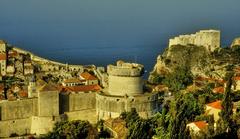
point(117, 99)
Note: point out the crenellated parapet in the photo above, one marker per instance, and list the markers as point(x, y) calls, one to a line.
point(125, 69)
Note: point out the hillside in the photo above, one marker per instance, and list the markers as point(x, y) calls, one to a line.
point(197, 59)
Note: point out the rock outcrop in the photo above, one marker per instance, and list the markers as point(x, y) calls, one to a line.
point(198, 59)
point(235, 43)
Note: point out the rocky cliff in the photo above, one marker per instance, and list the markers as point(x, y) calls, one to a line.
point(197, 59)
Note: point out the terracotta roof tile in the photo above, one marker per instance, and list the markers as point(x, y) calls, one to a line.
point(82, 88)
point(88, 76)
point(216, 104)
point(201, 124)
point(12, 53)
point(23, 93)
point(73, 80)
point(237, 78)
point(3, 56)
point(201, 78)
point(1, 87)
point(219, 90)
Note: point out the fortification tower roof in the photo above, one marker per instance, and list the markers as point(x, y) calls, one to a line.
point(125, 69)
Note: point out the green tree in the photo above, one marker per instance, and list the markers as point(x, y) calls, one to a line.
point(226, 125)
point(72, 130)
point(137, 127)
point(184, 109)
point(179, 79)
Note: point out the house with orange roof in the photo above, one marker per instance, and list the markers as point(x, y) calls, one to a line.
point(73, 82)
point(81, 88)
point(197, 126)
point(200, 80)
point(23, 94)
point(12, 54)
point(214, 108)
point(218, 90)
point(90, 79)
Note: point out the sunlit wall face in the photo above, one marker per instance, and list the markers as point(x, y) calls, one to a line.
point(102, 31)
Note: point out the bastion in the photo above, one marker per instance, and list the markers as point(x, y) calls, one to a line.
point(125, 79)
point(210, 39)
point(124, 92)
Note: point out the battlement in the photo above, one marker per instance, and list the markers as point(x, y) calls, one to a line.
point(125, 69)
point(207, 38)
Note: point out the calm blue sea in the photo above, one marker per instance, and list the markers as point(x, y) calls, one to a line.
point(102, 31)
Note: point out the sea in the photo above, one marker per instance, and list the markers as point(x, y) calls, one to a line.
point(100, 32)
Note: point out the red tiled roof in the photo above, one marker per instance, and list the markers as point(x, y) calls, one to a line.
point(88, 76)
point(3, 56)
point(237, 78)
point(73, 80)
point(201, 124)
point(201, 78)
point(82, 88)
point(12, 53)
point(237, 69)
point(23, 93)
point(219, 90)
point(216, 104)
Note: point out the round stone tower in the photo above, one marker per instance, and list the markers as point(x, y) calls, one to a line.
point(125, 79)
point(124, 92)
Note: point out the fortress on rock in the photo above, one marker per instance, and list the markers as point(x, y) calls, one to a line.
point(207, 38)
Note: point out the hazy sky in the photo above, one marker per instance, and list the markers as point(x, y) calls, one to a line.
point(99, 31)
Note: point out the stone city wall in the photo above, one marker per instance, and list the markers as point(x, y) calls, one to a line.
point(112, 106)
point(88, 114)
point(18, 109)
point(48, 103)
point(17, 126)
point(42, 125)
point(82, 101)
point(77, 102)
